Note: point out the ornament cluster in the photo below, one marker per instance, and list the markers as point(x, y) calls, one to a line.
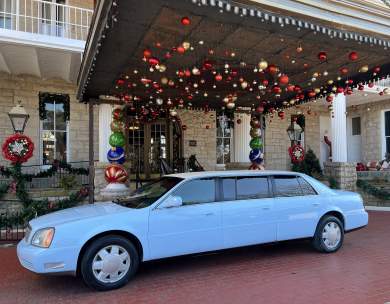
point(256, 155)
point(115, 172)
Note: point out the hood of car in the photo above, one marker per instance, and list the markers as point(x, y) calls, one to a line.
point(76, 214)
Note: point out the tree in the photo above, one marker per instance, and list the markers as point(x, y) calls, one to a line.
point(310, 165)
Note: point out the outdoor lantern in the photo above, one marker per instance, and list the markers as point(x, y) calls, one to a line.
point(294, 131)
point(18, 117)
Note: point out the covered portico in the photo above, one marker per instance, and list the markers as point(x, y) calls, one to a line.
point(190, 61)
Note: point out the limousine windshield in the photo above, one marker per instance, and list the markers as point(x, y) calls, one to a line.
point(146, 195)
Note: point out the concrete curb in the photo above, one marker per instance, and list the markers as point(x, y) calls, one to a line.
point(376, 208)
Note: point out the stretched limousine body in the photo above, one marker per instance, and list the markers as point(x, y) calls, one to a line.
point(188, 213)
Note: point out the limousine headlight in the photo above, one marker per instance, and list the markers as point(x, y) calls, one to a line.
point(43, 237)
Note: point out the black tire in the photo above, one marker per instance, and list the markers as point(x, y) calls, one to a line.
point(87, 273)
point(319, 243)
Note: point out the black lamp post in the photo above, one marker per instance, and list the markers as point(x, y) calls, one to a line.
point(19, 118)
point(294, 131)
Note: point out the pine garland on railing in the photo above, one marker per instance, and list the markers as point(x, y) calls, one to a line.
point(370, 189)
point(31, 207)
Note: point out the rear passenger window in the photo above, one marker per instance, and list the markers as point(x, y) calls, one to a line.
point(287, 185)
point(307, 189)
point(228, 189)
point(252, 187)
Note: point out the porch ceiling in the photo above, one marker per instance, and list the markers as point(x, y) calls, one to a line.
point(155, 25)
point(45, 63)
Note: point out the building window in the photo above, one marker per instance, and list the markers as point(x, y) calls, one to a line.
point(356, 126)
point(387, 131)
point(7, 9)
point(54, 114)
point(224, 139)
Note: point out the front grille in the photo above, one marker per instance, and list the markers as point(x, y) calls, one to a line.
point(28, 232)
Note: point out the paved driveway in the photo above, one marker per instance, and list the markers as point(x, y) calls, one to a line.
point(284, 273)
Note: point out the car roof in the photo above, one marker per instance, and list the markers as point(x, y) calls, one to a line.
point(191, 175)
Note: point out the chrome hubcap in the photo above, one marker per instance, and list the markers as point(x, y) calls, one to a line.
point(111, 264)
point(331, 235)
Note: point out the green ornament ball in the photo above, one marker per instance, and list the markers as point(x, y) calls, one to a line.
point(117, 139)
point(256, 143)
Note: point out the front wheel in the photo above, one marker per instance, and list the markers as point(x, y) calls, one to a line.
point(329, 235)
point(109, 263)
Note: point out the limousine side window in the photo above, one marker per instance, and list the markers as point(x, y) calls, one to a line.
point(287, 185)
point(228, 188)
point(252, 187)
point(307, 189)
point(198, 191)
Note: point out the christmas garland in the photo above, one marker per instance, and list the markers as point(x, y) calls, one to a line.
point(375, 191)
point(33, 208)
point(51, 98)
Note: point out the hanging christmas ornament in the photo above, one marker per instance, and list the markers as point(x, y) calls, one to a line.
point(255, 132)
point(180, 49)
point(255, 155)
point(218, 77)
point(259, 109)
point(377, 69)
point(230, 105)
point(147, 53)
point(255, 123)
point(195, 71)
point(329, 98)
point(186, 45)
point(162, 68)
point(244, 85)
point(159, 101)
point(363, 69)
point(262, 65)
point(239, 121)
point(353, 56)
point(208, 64)
point(164, 80)
point(185, 21)
point(344, 70)
point(299, 49)
point(322, 56)
point(273, 69)
point(153, 61)
point(283, 79)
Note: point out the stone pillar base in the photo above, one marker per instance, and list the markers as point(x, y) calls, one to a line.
point(344, 174)
point(114, 191)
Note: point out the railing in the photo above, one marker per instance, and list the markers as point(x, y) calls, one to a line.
point(46, 18)
point(11, 230)
point(59, 180)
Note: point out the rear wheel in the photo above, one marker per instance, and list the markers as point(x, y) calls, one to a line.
point(109, 262)
point(329, 235)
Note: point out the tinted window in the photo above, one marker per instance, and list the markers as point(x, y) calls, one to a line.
point(356, 126)
point(252, 187)
point(287, 185)
point(306, 188)
point(197, 191)
point(228, 189)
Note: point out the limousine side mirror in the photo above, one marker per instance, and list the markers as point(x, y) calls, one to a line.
point(172, 201)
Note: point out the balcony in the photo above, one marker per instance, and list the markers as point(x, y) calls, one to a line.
point(45, 18)
point(42, 38)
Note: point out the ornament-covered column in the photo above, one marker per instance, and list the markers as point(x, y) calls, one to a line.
point(256, 155)
point(339, 129)
point(115, 174)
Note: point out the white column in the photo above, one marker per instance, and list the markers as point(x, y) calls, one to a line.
point(241, 137)
point(339, 129)
point(105, 118)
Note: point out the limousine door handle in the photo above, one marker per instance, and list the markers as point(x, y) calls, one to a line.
point(316, 204)
point(266, 207)
point(209, 213)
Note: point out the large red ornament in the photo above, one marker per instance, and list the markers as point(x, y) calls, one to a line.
point(18, 148)
point(116, 174)
point(260, 109)
point(117, 114)
point(208, 64)
point(322, 56)
point(147, 53)
point(344, 70)
point(311, 94)
point(340, 90)
point(353, 56)
point(218, 77)
point(154, 61)
point(329, 98)
point(180, 49)
point(185, 21)
point(377, 69)
point(273, 69)
point(276, 89)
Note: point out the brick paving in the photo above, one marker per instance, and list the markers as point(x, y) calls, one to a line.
point(282, 273)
